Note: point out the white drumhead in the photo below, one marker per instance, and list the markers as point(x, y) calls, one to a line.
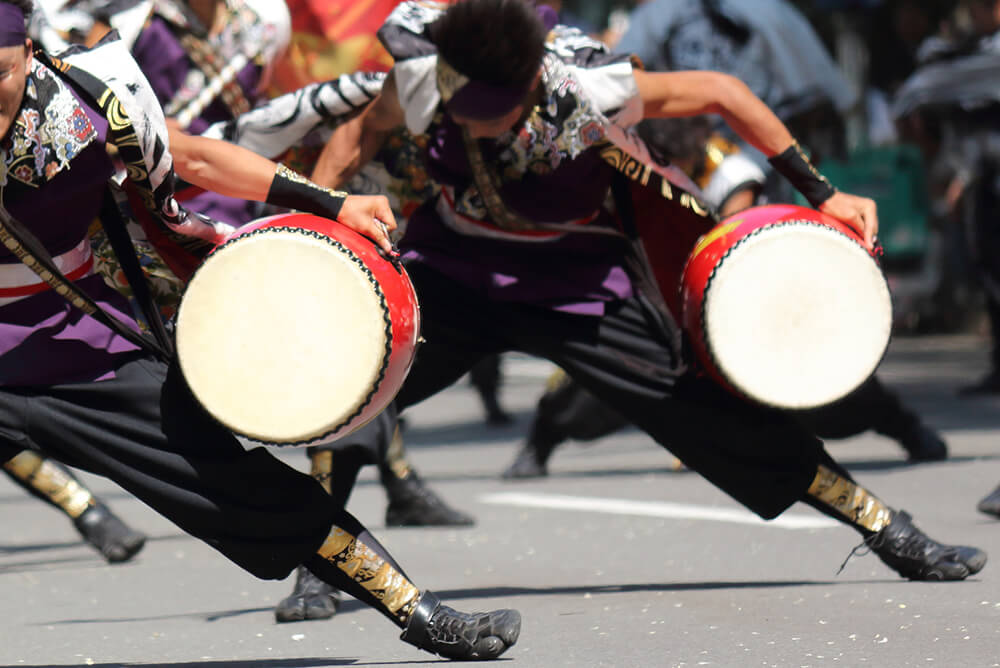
point(282, 335)
point(797, 315)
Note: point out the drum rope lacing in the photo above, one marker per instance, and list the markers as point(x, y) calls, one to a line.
point(709, 348)
point(386, 318)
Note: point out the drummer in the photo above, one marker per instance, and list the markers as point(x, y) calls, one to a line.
point(730, 182)
point(79, 383)
point(182, 47)
point(533, 128)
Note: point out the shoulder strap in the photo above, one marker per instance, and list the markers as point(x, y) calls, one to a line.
point(114, 225)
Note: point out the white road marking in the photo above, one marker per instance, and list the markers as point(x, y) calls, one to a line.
point(680, 511)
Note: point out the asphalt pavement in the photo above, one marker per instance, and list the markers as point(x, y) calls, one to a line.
point(615, 559)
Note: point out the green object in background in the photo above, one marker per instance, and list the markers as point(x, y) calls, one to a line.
point(893, 176)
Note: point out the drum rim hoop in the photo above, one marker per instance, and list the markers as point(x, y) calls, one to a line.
point(703, 323)
point(386, 318)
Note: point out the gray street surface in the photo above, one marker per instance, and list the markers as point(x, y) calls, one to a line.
point(615, 560)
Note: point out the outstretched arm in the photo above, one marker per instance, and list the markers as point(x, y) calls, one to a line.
point(354, 143)
point(230, 170)
point(691, 93)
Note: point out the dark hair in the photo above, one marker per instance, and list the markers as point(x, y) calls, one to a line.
point(493, 41)
point(26, 6)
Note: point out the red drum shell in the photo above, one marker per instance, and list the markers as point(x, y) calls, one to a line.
point(400, 302)
point(709, 252)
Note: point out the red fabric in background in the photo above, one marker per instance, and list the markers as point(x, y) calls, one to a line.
point(330, 38)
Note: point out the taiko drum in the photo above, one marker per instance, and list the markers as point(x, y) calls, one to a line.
point(786, 306)
point(296, 330)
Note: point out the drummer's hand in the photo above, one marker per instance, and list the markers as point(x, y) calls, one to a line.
point(371, 216)
point(858, 212)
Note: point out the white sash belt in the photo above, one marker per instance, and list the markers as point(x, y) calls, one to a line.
point(18, 281)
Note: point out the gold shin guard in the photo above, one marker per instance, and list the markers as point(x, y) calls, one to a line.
point(853, 502)
point(363, 565)
point(395, 457)
point(50, 481)
point(322, 468)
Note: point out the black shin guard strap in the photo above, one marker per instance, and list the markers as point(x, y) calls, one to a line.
point(415, 632)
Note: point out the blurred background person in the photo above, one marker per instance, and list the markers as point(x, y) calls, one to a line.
point(950, 108)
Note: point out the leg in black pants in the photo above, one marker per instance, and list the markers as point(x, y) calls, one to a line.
point(335, 467)
point(874, 406)
point(763, 458)
point(564, 412)
point(56, 485)
point(145, 431)
point(486, 378)
point(568, 411)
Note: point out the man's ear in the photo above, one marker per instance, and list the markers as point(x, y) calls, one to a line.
point(29, 51)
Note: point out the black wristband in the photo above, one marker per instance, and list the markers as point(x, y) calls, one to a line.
point(795, 166)
point(291, 190)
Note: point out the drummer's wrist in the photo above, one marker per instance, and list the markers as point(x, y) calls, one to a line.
point(291, 190)
point(793, 164)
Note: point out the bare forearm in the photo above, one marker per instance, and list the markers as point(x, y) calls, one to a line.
point(694, 93)
point(355, 143)
point(230, 170)
point(666, 94)
point(752, 120)
point(350, 147)
point(221, 167)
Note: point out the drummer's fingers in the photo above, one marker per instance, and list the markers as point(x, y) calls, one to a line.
point(356, 212)
point(856, 220)
point(384, 212)
point(871, 219)
point(378, 233)
point(379, 221)
point(865, 221)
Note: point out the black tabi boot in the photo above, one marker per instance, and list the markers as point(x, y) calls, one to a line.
point(991, 504)
point(486, 377)
point(988, 384)
point(458, 635)
point(413, 504)
point(354, 561)
point(115, 540)
point(911, 553)
point(922, 443)
point(888, 533)
point(310, 599)
point(531, 462)
point(893, 419)
point(496, 416)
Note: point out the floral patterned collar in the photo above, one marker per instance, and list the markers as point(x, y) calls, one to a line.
point(560, 127)
point(50, 130)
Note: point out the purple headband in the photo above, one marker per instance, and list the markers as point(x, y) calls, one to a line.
point(12, 32)
point(479, 100)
